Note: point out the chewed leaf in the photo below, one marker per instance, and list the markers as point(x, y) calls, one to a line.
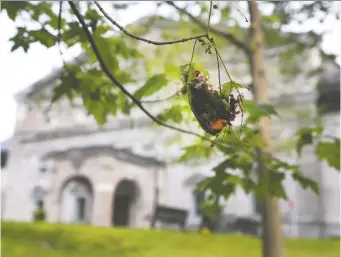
point(187, 72)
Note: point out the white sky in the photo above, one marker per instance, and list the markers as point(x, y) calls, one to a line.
point(19, 70)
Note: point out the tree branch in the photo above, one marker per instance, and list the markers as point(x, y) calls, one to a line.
point(122, 88)
point(59, 35)
point(106, 15)
point(230, 37)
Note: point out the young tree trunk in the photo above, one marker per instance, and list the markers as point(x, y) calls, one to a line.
point(272, 230)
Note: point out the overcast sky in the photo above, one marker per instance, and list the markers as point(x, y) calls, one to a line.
point(18, 70)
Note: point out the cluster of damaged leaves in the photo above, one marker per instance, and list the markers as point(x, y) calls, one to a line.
point(213, 109)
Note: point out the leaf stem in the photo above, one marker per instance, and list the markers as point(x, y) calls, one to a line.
point(209, 19)
point(190, 64)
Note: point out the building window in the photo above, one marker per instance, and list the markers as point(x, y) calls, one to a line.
point(199, 198)
point(80, 205)
point(40, 204)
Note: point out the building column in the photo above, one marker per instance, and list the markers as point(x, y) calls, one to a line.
point(102, 205)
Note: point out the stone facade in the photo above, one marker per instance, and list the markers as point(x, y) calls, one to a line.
point(80, 166)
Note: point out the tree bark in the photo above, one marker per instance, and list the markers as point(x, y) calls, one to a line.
point(272, 229)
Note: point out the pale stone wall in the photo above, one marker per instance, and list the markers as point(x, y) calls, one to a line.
point(104, 173)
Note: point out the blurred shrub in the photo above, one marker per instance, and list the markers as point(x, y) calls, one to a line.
point(39, 215)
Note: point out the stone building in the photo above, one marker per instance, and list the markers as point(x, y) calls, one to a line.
point(117, 174)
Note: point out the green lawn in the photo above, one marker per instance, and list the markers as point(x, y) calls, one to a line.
point(45, 240)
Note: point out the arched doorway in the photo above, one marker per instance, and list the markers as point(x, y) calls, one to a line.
point(76, 200)
point(124, 201)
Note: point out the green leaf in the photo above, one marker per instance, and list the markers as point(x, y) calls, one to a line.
point(187, 75)
point(225, 13)
point(16, 46)
point(108, 49)
point(97, 109)
point(305, 136)
point(196, 151)
point(275, 184)
point(152, 85)
point(271, 184)
point(233, 179)
point(256, 111)
point(14, 7)
point(172, 70)
point(330, 152)
point(210, 207)
point(305, 139)
point(229, 86)
point(305, 182)
point(173, 113)
point(74, 34)
point(248, 185)
point(42, 36)
point(69, 83)
point(227, 163)
point(21, 39)
point(267, 108)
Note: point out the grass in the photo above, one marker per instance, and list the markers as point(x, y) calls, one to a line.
point(47, 240)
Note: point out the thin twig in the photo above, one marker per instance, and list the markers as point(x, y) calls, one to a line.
point(209, 19)
point(161, 100)
point(122, 88)
point(218, 64)
point(229, 36)
point(59, 36)
point(191, 62)
point(228, 74)
point(240, 13)
point(240, 95)
point(106, 15)
point(234, 84)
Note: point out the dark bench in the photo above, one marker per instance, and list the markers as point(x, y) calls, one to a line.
point(170, 216)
